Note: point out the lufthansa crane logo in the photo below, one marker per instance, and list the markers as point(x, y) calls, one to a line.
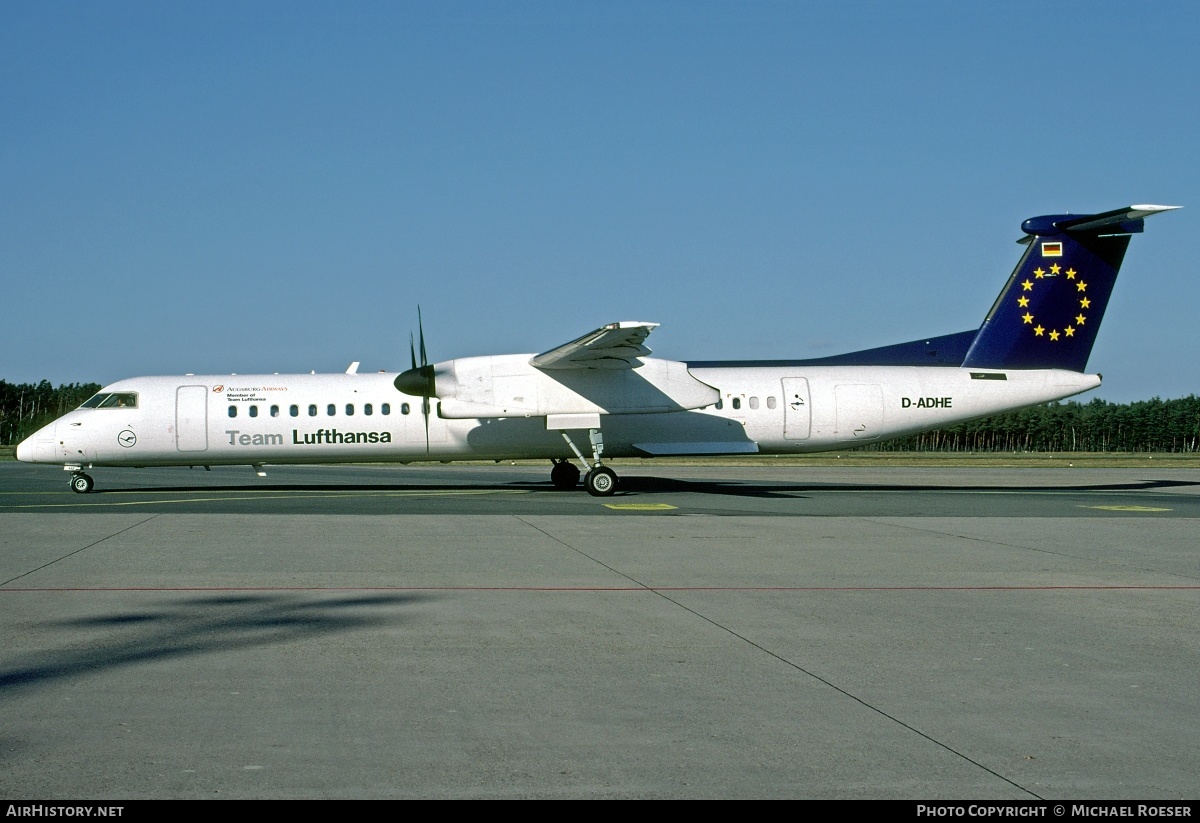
point(127, 438)
point(1078, 288)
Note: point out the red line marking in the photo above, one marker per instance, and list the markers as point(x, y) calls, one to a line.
point(595, 588)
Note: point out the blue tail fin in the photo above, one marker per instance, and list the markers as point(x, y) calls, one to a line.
point(1050, 310)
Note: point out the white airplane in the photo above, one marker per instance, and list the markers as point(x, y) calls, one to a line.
point(602, 394)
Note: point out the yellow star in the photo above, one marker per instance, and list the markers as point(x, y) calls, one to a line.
point(1069, 331)
point(1054, 335)
point(1070, 274)
point(1027, 286)
point(1085, 303)
point(1081, 286)
point(1022, 301)
point(1027, 317)
point(1055, 268)
point(1040, 272)
point(1079, 319)
point(1039, 331)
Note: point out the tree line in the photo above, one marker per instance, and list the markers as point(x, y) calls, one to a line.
point(1096, 426)
point(26, 407)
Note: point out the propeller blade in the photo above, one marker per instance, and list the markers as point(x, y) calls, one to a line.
point(421, 331)
point(425, 414)
point(421, 379)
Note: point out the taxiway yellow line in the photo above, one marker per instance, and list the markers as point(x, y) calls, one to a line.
point(1127, 508)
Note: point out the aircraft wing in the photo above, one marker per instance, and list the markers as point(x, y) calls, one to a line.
point(615, 346)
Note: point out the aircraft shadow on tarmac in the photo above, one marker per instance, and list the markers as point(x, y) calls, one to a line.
point(197, 626)
point(648, 484)
point(652, 485)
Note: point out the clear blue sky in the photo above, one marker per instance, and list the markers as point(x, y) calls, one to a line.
point(275, 186)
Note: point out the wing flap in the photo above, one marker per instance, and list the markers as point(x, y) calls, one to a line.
point(615, 346)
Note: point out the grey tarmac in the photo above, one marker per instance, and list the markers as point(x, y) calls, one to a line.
point(708, 632)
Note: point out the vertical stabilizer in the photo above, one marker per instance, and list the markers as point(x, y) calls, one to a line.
point(1050, 310)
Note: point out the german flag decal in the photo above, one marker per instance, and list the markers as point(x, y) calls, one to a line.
point(1052, 249)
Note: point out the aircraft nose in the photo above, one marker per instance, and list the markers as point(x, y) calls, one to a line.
point(28, 449)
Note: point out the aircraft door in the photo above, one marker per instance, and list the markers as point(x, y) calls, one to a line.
point(797, 413)
point(859, 412)
point(191, 418)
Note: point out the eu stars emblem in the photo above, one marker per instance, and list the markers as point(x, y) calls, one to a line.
point(1053, 302)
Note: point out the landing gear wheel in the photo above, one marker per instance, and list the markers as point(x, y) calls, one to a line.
point(601, 481)
point(564, 476)
point(81, 483)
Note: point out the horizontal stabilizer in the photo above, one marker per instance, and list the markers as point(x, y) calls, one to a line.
point(1113, 220)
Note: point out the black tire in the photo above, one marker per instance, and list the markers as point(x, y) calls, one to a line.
point(81, 483)
point(564, 476)
point(601, 481)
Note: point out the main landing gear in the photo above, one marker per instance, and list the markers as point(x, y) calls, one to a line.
point(600, 481)
point(82, 483)
point(564, 475)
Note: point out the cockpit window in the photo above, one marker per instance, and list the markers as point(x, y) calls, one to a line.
point(112, 400)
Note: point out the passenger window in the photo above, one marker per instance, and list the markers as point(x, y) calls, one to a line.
point(349, 409)
point(294, 411)
point(404, 408)
point(737, 402)
point(368, 409)
point(254, 411)
point(771, 402)
point(312, 409)
point(233, 411)
point(331, 410)
point(386, 408)
point(274, 411)
point(720, 405)
point(754, 402)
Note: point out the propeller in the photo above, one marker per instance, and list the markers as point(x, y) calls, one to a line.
point(420, 380)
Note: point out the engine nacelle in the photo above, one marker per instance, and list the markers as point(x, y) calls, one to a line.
point(508, 386)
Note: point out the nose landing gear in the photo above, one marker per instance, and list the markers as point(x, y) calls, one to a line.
point(81, 483)
point(600, 481)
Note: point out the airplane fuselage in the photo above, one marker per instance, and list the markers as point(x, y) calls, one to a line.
point(317, 418)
